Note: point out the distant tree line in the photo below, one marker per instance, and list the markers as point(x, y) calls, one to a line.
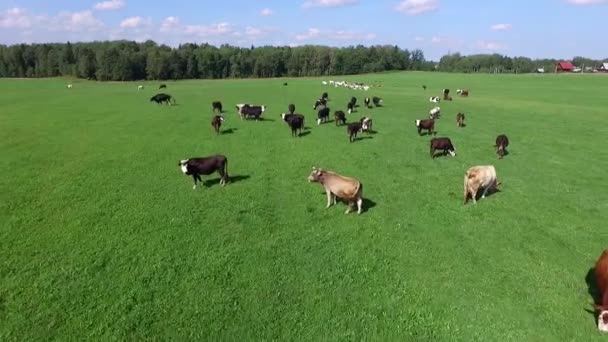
point(128, 61)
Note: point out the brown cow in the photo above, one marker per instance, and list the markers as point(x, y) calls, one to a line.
point(336, 185)
point(601, 277)
point(460, 120)
point(216, 123)
point(479, 177)
point(502, 141)
point(428, 124)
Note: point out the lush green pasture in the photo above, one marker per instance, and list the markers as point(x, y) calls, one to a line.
point(103, 238)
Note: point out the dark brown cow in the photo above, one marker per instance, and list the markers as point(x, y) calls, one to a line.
point(295, 122)
point(442, 144)
point(196, 167)
point(501, 145)
point(216, 123)
point(460, 120)
point(352, 130)
point(217, 107)
point(427, 124)
point(340, 118)
point(601, 277)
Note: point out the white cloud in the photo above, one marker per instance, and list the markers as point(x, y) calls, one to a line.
point(351, 35)
point(15, 18)
point(75, 21)
point(132, 22)
point(415, 7)
point(436, 40)
point(419, 39)
point(266, 12)
point(110, 5)
point(489, 46)
point(328, 3)
point(341, 35)
point(311, 33)
point(587, 2)
point(205, 31)
point(501, 27)
point(169, 24)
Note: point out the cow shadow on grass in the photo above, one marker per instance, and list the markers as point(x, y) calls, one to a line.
point(305, 133)
point(229, 131)
point(427, 134)
point(367, 203)
point(232, 179)
point(364, 138)
point(593, 291)
point(490, 193)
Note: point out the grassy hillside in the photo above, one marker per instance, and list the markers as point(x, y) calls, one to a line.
point(102, 236)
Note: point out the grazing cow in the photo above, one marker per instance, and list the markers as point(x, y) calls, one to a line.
point(322, 115)
point(434, 99)
point(216, 123)
point(460, 120)
point(424, 87)
point(321, 103)
point(463, 92)
point(377, 101)
point(240, 106)
point(428, 124)
point(336, 185)
point(366, 124)
point(196, 167)
point(295, 122)
point(252, 112)
point(601, 277)
point(442, 144)
point(325, 96)
point(435, 113)
point(340, 118)
point(351, 107)
point(367, 102)
point(162, 86)
point(352, 130)
point(162, 98)
point(479, 177)
point(447, 98)
point(141, 87)
point(501, 145)
point(324, 82)
point(69, 86)
point(217, 106)
point(292, 108)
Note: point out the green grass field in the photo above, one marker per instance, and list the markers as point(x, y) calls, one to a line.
point(103, 238)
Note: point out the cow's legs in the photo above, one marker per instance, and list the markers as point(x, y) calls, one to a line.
point(329, 200)
point(359, 205)
point(474, 194)
point(194, 178)
point(350, 207)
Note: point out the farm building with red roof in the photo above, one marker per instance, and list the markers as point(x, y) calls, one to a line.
point(564, 67)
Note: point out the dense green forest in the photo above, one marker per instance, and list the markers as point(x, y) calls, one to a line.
point(126, 61)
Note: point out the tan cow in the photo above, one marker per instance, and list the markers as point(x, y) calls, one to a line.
point(479, 177)
point(336, 185)
point(601, 277)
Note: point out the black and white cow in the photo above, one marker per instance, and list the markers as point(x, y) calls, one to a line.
point(352, 130)
point(377, 101)
point(435, 99)
point(435, 113)
point(366, 124)
point(321, 103)
point(196, 167)
point(427, 124)
point(252, 112)
point(367, 102)
point(322, 115)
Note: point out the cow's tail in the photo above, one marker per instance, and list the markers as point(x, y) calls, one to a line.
point(226, 171)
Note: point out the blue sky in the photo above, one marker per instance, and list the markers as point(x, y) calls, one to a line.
point(533, 28)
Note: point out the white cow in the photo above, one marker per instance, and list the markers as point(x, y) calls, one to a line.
point(69, 86)
point(479, 177)
point(435, 99)
point(141, 87)
point(435, 113)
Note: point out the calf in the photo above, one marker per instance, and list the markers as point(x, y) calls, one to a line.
point(442, 144)
point(217, 106)
point(162, 86)
point(216, 123)
point(377, 101)
point(349, 189)
point(196, 167)
point(352, 130)
point(427, 124)
point(162, 98)
point(321, 103)
point(340, 118)
point(323, 115)
point(292, 108)
point(367, 102)
point(435, 113)
point(479, 177)
point(601, 277)
point(460, 120)
point(501, 145)
point(366, 124)
point(295, 122)
point(434, 99)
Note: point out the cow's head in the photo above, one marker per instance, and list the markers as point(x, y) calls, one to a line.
point(452, 151)
point(602, 318)
point(183, 164)
point(263, 109)
point(221, 118)
point(316, 175)
point(283, 116)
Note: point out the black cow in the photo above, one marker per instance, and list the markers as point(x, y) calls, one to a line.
point(377, 101)
point(162, 98)
point(321, 103)
point(350, 107)
point(162, 86)
point(501, 145)
point(428, 124)
point(352, 130)
point(292, 108)
point(322, 115)
point(442, 144)
point(252, 112)
point(354, 101)
point(295, 122)
point(217, 106)
point(340, 118)
point(196, 167)
point(367, 102)
point(216, 123)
